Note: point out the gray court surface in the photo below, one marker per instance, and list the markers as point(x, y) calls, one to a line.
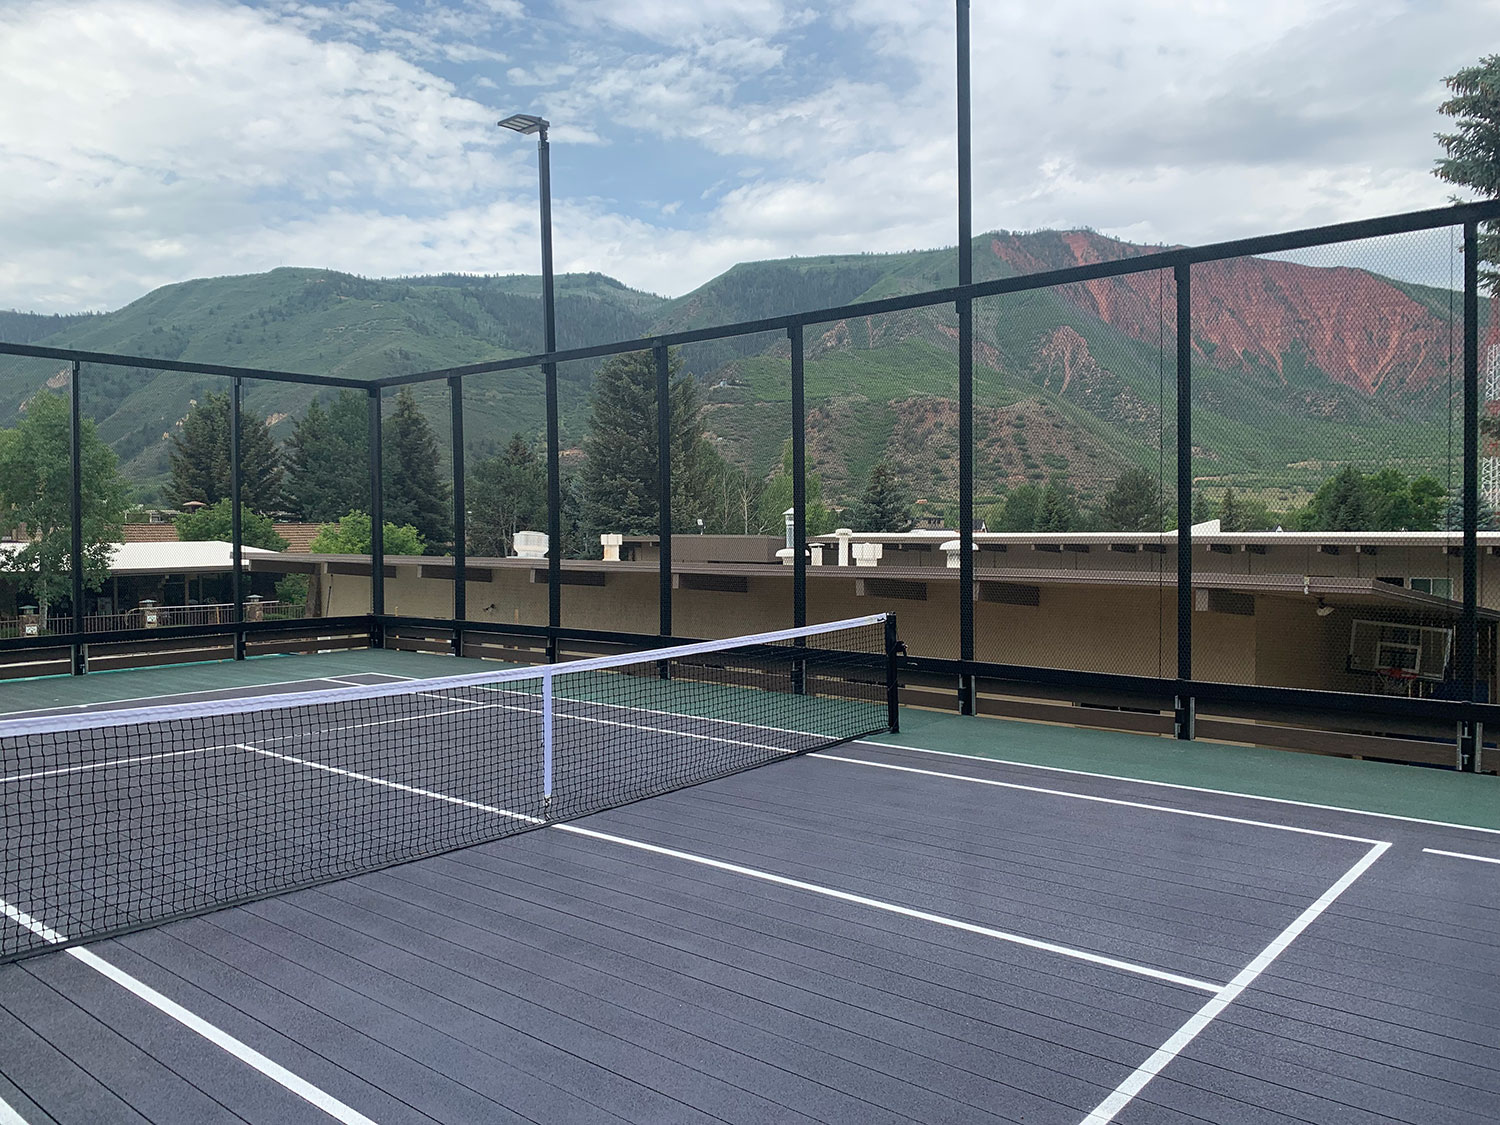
point(866, 934)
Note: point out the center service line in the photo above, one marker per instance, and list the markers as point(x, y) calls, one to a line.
point(1126, 1091)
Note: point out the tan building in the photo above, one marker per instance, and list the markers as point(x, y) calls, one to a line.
point(1343, 611)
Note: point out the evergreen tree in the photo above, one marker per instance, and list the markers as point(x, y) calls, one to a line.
point(1058, 510)
point(216, 523)
point(414, 492)
point(1231, 512)
point(1202, 510)
point(328, 465)
point(1021, 509)
point(505, 494)
point(1342, 503)
point(1452, 518)
point(1472, 150)
point(200, 458)
point(619, 482)
point(1133, 503)
point(36, 489)
point(886, 503)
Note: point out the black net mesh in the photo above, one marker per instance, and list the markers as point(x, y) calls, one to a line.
point(114, 822)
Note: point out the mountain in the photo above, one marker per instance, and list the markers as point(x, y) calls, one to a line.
point(1296, 368)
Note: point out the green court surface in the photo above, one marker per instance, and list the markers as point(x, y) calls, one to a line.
point(1396, 790)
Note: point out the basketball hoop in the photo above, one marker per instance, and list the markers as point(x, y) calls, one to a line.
point(1395, 681)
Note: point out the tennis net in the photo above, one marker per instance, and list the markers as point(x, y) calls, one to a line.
point(110, 821)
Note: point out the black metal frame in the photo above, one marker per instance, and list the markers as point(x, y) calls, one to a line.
point(1182, 688)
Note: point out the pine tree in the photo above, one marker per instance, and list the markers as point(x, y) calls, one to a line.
point(1473, 150)
point(1058, 510)
point(200, 458)
point(1133, 503)
point(36, 490)
point(619, 482)
point(505, 494)
point(886, 503)
point(1342, 503)
point(328, 467)
point(414, 492)
point(1231, 513)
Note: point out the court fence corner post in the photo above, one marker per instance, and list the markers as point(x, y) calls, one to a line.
point(78, 651)
point(892, 679)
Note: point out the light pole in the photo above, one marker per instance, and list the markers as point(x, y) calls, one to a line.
point(527, 124)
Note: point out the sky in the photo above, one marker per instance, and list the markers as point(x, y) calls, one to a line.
point(144, 142)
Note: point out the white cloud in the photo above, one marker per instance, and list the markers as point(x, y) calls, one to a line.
point(147, 141)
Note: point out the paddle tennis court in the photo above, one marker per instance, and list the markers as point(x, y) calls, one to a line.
point(891, 928)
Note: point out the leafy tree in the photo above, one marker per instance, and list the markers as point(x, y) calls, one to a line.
point(36, 490)
point(351, 536)
point(1058, 510)
point(327, 459)
point(886, 503)
point(1021, 508)
point(413, 492)
point(216, 522)
point(200, 458)
point(1382, 501)
point(619, 481)
point(1133, 502)
point(776, 498)
point(1472, 150)
point(504, 494)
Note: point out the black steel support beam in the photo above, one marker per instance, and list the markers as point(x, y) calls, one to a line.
point(664, 485)
point(236, 528)
point(75, 546)
point(1468, 641)
point(114, 359)
point(377, 520)
point(1182, 275)
point(799, 477)
point(965, 307)
point(460, 515)
point(554, 503)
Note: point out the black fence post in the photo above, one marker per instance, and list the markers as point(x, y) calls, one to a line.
point(799, 477)
point(236, 526)
point(892, 679)
point(460, 516)
point(966, 691)
point(664, 486)
point(1468, 642)
point(1185, 709)
point(554, 514)
point(377, 527)
point(79, 652)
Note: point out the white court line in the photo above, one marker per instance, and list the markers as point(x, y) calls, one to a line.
point(894, 908)
point(767, 876)
point(106, 763)
point(194, 1023)
point(1126, 1091)
point(1178, 785)
point(106, 704)
point(824, 757)
point(429, 793)
point(9, 1116)
point(1462, 855)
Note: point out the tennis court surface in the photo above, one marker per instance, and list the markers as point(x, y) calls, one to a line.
point(635, 927)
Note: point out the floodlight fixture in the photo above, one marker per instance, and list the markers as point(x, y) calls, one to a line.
point(525, 124)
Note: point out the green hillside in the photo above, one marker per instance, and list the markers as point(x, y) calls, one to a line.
point(1295, 368)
